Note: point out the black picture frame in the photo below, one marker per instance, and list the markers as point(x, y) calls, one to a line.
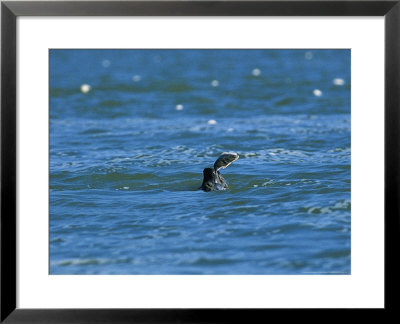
point(10, 10)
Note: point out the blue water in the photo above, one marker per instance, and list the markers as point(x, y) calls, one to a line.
point(127, 153)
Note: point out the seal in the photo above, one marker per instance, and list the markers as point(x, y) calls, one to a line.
point(212, 178)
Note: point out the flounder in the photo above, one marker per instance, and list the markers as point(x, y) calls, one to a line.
point(212, 178)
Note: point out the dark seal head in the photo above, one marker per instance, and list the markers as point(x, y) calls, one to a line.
point(212, 178)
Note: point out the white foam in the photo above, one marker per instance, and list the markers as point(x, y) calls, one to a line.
point(179, 107)
point(136, 78)
point(211, 122)
point(338, 81)
point(317, 93)
point(256, 72)
point(85, 88)
point(215, 83)
point(106, 63)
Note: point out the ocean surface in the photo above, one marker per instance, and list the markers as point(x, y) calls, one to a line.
point(132, 130)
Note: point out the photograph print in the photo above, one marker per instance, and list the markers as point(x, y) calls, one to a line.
point(200, 161)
